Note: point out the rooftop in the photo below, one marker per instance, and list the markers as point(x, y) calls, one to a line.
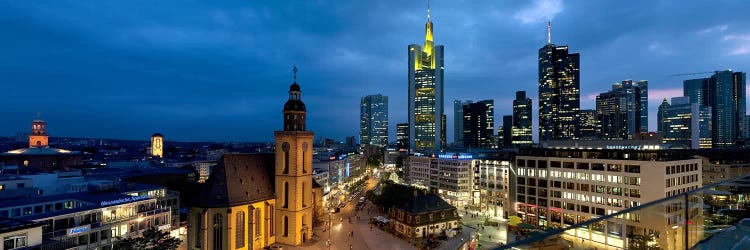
point(11, 224)
point(39, 151)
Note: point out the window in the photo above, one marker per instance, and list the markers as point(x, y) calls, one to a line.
point(218, 226)
point(269, 213)
point(632, 168)
point(239, 240)
point(285, 226)
point(285, 147)
point(286, 195)
point(15, 241)
point(257, 214)
point(304, 202)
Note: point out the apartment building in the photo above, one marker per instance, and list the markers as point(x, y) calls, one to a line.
point(561, 187)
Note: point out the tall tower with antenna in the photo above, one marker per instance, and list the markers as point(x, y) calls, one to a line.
point(559, 91)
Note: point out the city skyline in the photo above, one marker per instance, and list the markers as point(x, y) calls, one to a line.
point(209, 67)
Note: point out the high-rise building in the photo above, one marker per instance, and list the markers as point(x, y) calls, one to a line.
point(479, 124)
point(521, 120)
point(620, 111)
point(402, 137)
point(661, 115)
point(686, 125)
point(426, 128)
point(373, 122)
point(642, 85)
point(588, 124)
point(157, 145)
point(724, 93)
point(458, 122)
point(559, 92)
point(507, 131)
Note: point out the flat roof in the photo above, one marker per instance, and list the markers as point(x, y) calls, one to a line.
point(12, 224)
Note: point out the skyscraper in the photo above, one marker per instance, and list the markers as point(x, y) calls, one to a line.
point(373, 122)
point(619, 111)
point(588, 125)
point(521, 120)
point(724, 93)
point(559, 92)
point(686, 125)
point(402, 136)
point(661, 115)
point(643, 87)
point(479, 124)
point(426, 128)
point(458, 122)
point(507, 131)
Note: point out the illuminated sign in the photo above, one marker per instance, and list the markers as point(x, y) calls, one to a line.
point(342, 156)
point(456, 156)
point(124, 200)
point(78, 230)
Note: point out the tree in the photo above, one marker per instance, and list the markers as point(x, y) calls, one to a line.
point(152, 239)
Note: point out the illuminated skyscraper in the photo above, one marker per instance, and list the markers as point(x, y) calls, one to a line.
point(402, 136)
point(619, 111)
point(559, 92)
point(724, 94)
point(458, 122)
point(479, 124)
point(588, 125)
point(686, 125)
point(373, 122)
point(521, 120)
point(426, 128)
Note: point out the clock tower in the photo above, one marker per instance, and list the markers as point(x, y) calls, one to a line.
point(38, 137)
point(294, 195)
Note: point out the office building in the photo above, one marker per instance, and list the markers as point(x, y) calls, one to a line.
point(458, 122)
point(724, 93)
point(559, 92)
point(561, 187)
point(449, 175)
point(686, 124)
point(507, 132)
point(373, 121)
point(521, 130)
point(402, 137)
point(589, 124)
point(661, 115)
point(157, 145)
point(479, 124)
point(492, 179)
point(619, 111)
point(642, 86)
point(426, 116)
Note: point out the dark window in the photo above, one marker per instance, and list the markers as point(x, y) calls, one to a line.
point(632, 168)
point(239, 240)
point(218, 229)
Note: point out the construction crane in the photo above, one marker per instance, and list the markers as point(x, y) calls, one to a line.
point(695, 73)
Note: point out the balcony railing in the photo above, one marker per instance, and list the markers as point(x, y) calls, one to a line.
point(716, 216)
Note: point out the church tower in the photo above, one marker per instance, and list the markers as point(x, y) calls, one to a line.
point(294, 195)
point(38, 137)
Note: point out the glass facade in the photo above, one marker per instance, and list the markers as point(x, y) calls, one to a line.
point(425, 69)
point(521, 133)
point(559, 93)
point(479, 124)
point(724, 95)
point(373, 122)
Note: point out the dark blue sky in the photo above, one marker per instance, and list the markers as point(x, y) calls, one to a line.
point(201, 70)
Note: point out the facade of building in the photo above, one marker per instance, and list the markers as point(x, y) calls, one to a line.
point(724, 93)
point(373, 121)
point(426, 127)
point(254, 200)
point(507, 132)
point(588, 125)
point(493, 185)
point(619, 110)
point(157, 145)
point(424, 216)
point(661, 115)
point(402, 137)
point(686, 124)
point(521, 131)
point(562, 187)
point(20, 234)
point(458, 121)
point(479, 124)
point(559, 92)
point(38, 137)
point(452, 179)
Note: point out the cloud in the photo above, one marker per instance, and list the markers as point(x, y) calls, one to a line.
point(539, 10)
point(659, 48)
point(741, 43)
point(718, 28)
point(657, 95)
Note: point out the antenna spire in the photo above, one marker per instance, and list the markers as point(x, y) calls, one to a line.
point(549, 32)
point(428, 10)
point(295, 73)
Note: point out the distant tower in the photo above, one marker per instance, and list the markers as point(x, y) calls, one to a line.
point(294, 146)
point(157, 145)
point(38, 137)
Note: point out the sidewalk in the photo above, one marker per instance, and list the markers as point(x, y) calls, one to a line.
point(491, 232)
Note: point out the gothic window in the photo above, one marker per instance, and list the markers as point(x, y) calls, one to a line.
point(286, 226)
point(269, 211)
point(257, 218)
point(240, 230)
point(286, 195)
point(217, 231)
point(285, 147)
point(304, 204)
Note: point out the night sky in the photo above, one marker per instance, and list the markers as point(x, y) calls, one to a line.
point(208, 71)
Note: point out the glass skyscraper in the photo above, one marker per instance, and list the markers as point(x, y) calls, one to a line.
point(559, 93)
point(686, 125)
point(521, 120)
point(373, 121)
point(458, 122)
point(426, 117)
point(479, 124)
point(724, 94)
point(402, 136)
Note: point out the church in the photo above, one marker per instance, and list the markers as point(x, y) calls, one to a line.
point(251, 201)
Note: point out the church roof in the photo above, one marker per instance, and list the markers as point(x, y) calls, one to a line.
point(239, 179)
